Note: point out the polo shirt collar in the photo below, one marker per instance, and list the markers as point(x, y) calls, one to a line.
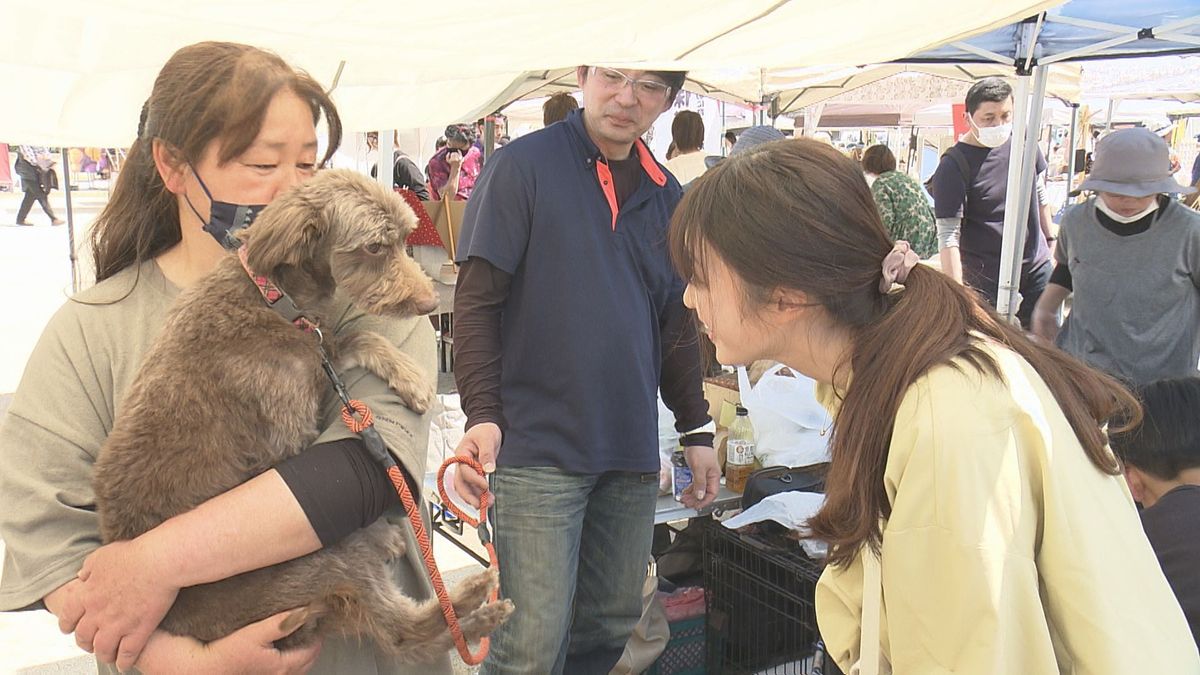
point(591, 152)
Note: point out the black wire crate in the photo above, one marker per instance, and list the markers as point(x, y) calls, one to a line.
point(761, 617)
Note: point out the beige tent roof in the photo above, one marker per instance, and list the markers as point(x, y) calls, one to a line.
point(796, 88)
point(77, 71)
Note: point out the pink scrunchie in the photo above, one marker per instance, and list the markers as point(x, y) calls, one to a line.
point(897, 264)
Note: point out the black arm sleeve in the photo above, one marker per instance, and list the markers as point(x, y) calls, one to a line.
point(479, 299)
point(1062, 276)
point(340, 487)
point(681, 380)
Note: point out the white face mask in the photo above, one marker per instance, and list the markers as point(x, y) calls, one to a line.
point(1124, 220)
point(992, 137)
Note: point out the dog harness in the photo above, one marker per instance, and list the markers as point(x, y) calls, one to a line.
point(358, 417)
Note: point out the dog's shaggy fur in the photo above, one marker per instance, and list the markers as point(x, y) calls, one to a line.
point(231, 389)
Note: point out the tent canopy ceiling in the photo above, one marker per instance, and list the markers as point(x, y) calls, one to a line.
point(1083, 29)
point(82, 69)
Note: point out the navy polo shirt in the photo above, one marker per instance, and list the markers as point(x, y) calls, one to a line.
point(580, 331)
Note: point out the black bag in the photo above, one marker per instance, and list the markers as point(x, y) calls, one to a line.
point(776, 479)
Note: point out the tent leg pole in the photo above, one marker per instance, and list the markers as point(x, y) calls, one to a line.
point(1071, 149)
point(66, 164)
point(1006, 291)
point(1031, 121)
point(489, 136)
point(383, 158)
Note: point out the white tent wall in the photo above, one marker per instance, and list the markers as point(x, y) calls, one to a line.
point(403, 66)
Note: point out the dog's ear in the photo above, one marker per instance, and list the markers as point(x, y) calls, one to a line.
point(287, 232)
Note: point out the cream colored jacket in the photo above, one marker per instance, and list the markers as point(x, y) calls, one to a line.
point(1007, 550)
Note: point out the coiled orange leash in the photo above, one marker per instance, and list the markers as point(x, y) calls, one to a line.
point(358, 418)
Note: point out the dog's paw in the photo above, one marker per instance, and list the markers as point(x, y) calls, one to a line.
point(392, 542)
point(470, 594)
point(417, 396)
point(486, 619)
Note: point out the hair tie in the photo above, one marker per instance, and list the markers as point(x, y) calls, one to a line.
point(897, 264)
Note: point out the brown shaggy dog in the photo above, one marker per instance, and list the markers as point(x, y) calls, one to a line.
point(231, 389)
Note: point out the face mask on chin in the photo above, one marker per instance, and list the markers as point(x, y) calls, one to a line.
point(225, 220)
point(992, 137)
point(1104, 208)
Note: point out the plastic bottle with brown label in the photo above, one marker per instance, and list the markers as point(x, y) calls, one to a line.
point(739, 457)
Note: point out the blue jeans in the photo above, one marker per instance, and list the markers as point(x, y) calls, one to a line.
point(573, 550)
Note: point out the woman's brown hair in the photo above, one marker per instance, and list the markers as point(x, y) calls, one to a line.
point(797, 215)
point(206, 91)
point(687, 131)
point(878, 159)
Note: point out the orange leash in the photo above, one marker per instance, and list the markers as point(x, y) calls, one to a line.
point(358, 417)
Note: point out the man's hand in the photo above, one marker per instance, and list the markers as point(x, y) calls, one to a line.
point(706, 476)
point(124, 597)
point(482, 443)
point(248, 650)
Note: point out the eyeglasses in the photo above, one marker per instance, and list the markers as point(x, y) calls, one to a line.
point(615, 79)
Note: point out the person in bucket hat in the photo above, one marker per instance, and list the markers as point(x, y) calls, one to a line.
point(1130, 259)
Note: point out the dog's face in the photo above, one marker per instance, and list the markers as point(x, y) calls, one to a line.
point(342, 230)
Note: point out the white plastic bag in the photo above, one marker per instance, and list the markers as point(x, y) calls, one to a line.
point(790, 426)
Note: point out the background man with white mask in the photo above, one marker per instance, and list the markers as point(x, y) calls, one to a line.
point(970, 187)
point(1131, 256)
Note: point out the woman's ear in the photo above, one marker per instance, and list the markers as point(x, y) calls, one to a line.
point(788, 300)
point(171, 167)
point(1137, 483)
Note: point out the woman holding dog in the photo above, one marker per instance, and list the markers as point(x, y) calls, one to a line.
point(226, 129)
point(976, 518)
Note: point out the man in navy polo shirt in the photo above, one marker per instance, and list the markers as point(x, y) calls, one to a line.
point(568, 319)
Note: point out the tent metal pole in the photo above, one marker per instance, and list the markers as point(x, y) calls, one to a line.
point(1071, 148)
point(489, 136)
point(1012, 221)
point(66, 163)
point(1025, 191)
point(1108, 118)
point(383, 158)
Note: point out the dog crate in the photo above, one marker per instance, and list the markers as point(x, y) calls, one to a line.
point(761, 616)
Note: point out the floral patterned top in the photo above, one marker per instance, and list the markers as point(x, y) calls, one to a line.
point(906, 211)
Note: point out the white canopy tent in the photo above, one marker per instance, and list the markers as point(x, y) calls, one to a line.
point(79, 71)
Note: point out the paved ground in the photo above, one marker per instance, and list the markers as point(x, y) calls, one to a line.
point(35, 279)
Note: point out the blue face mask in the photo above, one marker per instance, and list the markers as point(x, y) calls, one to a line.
point(225, 220)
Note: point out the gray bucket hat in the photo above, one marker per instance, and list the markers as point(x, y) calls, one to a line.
point(1134, 163)
point(748, 139)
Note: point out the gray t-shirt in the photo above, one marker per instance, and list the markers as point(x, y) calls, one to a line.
point(1136, 307)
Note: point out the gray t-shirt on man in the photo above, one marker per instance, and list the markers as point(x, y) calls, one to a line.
point(1135, 313)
